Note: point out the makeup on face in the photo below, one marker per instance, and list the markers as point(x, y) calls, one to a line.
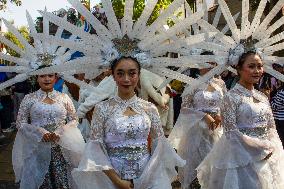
point(47, 81)
point(126, 75)
point(251, 70)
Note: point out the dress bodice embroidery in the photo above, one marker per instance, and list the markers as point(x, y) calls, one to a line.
point(207, 101)
point(48, 116)
point(204, 100)
point(247, 111)
point(125, 137)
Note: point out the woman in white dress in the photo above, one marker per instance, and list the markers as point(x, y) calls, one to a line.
point(127, 148)
point(48, 143)
point(249, 153)
point(198, 126)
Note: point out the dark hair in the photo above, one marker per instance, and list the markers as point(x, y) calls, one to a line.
point(115, 62)
point(43, 66)
point(244, 56)
point(207, 53)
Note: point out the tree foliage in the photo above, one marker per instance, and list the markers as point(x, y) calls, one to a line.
point(3, 3)
point(10, 36)
point(118, 6)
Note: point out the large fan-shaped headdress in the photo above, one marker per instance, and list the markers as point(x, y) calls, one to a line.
point(255, 35)
point(193, 51)
point(42, 57)
point(147, 43)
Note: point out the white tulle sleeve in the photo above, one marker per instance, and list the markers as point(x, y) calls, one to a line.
point(89, 173)
point(22, 123)
point(28, 147)
point(95, 156)
point(188, 117)
point(160, 170)
point(240, 149)
point(71, 138)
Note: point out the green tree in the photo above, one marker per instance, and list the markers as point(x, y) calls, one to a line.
point(10, 36)
point(118, 6)
point(3, 3)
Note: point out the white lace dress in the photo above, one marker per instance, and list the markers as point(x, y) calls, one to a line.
point(238, 159)
point(122, 143)
point(191, 136)
point(32, 157)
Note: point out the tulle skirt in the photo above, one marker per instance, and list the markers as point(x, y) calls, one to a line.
point(193, 141)
point(238, 163)
point(32, 158)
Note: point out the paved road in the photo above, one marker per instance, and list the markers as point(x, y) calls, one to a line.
point(7, 177)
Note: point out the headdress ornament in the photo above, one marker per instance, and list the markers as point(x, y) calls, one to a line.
point(253, 36)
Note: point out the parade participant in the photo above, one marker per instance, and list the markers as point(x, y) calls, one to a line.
point(249, 153)
point(48, 143)
point(119, 154)
point(46, 123)
point(198, 125)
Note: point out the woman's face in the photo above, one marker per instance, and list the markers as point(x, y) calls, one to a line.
point(126, 75)
point(251, 70)
point(46, 82)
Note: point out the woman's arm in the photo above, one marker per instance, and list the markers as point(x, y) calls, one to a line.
point(117, 181)
point(32, 132)
point(72, 119)
point(97, 135)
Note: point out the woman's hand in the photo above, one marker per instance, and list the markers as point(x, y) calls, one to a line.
point(218, 119)
point(165, 107)
point(211, 122)
point(117, 181)
point(50, 137)
point(124, 184)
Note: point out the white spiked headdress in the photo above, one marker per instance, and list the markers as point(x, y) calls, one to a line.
point(42, 57)
point(147, 43)
point(255, 35)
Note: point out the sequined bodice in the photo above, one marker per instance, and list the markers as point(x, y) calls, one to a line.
point(49, 116)
point(35, 111)
point(247, 111)
point(204, 100)
point(126, 141)
point(127, 130)
point(207, 101)
point(252, 114)
point(126, 137)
